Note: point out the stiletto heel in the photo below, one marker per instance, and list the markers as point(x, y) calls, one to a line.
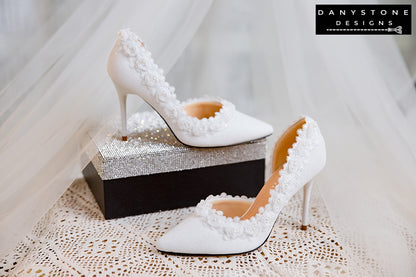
point(223, 225)
point(122, 97)
point(205, 122)
point(307, 189)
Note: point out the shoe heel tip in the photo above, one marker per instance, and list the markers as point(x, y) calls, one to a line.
point(304, 227)
point(124, 138)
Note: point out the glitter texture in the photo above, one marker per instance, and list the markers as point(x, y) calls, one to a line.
point(152, 148)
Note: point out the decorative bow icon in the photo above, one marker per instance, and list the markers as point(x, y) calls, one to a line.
point(398, 30)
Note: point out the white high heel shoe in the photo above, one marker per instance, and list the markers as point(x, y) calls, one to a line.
point(215, 229)
point(204, 122)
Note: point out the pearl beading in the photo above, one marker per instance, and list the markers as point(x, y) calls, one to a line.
point(153, 79)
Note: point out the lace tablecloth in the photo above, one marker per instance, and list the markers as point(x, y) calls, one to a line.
point(73, 239)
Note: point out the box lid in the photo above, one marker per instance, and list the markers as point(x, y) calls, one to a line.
point(152, 148)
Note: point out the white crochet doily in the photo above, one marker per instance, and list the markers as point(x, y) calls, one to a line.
point(73, 239)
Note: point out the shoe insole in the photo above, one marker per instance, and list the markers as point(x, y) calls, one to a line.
point(203, 109)
point(263, 197)
point(232, 208)
point(280, 154)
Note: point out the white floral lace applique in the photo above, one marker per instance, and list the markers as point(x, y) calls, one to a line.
point(158, 88)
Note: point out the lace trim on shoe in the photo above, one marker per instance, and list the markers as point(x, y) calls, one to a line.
point(153, 79)
point(204, 208)
point(299, 155)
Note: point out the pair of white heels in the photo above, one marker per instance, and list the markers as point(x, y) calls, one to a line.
point(220, 225)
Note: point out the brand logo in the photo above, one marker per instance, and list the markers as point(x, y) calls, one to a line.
point(363, 19)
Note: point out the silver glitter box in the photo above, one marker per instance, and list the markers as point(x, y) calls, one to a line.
point(153, 157)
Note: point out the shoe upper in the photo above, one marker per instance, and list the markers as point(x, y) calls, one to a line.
point(192, 236)
point(209, 231)
point(239, 129)
point(132, 68)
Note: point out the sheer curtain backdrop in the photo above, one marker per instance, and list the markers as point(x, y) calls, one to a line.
point(264, 57)
point(63, 92)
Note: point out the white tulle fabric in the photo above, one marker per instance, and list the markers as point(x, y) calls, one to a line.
point(265, 58)
point(359, 90)
point(60, 97)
